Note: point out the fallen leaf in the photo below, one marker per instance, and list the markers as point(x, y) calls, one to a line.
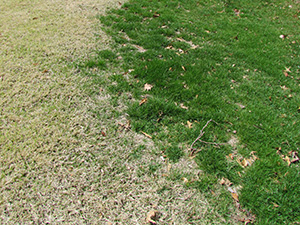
point(240, 105)
point(287, 159)
point(282, 36)
point(239, 162)
point(288, 69)
point(225, 181)
point(185, 180)
point(140, 48)
point(285, 88)
point(245, 163)
point(144, 100)
point(181, 39)
point(151, 216)
point(190, 125)
point(275, 205)
point(237, 12)
point(183, 107)
point(235, 196)
point(148, 87)
point(295, 157)
point(253, 152)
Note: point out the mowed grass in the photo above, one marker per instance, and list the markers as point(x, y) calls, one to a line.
point(236, 63)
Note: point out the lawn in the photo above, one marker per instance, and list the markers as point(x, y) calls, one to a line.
point(219, 82)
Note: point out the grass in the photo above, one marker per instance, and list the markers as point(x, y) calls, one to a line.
point(64, 157)
point(234, 62)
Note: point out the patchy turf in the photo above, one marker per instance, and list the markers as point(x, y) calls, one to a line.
point(64, 157)
point(186, 62)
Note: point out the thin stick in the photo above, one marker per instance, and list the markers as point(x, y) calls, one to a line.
point(212, 143)
point(200, 136)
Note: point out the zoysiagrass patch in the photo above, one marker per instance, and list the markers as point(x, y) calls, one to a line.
point(56, 164)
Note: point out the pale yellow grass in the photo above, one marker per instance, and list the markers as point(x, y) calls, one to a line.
point(56, 165)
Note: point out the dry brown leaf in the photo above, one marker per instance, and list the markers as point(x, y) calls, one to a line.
point(148, 87)
point(282, 36)
point(239, 162)
point(294, 155)
point(180, 39)
point(240, 105)
point(151, 216)
point(188, 42)
point(245, 163)
point(144, 100)
point(183, 107)
point(287, 159)
point(288, 69)
point(190, 125)
point(169, 47)
point(285, 88)
point(140, 48)
point(237, 12)
point(235, 196)
point(185, 180)
point(225, 181)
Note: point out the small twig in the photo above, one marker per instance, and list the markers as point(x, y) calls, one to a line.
point(193, 151)
point(212, 143)
point(125, 126)
point(201, 134)
point(147, 135)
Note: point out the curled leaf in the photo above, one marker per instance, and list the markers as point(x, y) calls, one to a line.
point(190, 125)
point(144, 100)
point(183, 106)
point(151, 216)
point(235, 196)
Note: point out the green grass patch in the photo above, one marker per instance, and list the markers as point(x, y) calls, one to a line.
point(234, 62)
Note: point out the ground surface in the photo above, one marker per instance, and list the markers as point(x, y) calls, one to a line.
point(63, 157)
